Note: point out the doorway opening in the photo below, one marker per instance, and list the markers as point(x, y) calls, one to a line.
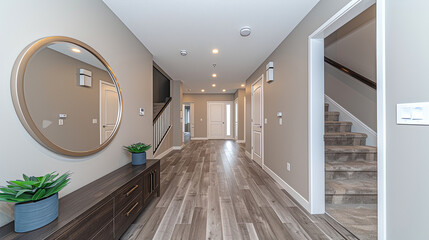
point(316, 116)
point(188, 122)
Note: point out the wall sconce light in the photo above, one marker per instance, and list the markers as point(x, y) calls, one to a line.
point(270, 72)
point(85, 78)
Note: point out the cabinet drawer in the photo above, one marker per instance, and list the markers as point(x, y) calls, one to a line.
point(124, 219)
point(128, 193)
point(90, 225)
point(105, 233)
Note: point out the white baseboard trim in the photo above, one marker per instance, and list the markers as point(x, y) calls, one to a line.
point(161, 155)
point(199, 138)
point(248, 155)
point(358, 125)
point(240, 141)
point(300, 199)
point(176, 147)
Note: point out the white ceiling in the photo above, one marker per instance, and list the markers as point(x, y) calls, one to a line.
point(83, 56)
point(167, 26)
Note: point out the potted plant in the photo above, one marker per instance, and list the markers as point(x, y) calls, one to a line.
point(35, 198)
point(138, 151)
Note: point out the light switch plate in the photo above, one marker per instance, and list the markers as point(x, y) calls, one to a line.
point(412, 113)
point(141, 111)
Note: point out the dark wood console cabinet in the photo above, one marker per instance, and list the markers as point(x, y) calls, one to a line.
point(103, 209)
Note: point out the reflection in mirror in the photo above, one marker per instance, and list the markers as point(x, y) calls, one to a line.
point(71, 97)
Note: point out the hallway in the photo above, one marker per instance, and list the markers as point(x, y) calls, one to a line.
point(211, 190)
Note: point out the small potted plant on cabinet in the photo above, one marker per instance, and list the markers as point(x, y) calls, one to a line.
point(138, 151)
point(35, 198)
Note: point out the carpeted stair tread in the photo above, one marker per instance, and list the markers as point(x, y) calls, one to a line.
point(350, 149)
point(351, 166)
point(351, 187)
point(345, 134)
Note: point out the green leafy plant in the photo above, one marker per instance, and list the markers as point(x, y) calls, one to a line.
point(137, 147)
point(33, 188)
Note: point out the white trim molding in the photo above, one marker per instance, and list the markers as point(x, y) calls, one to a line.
point(298, 197)
point(176, 147)
point(381, 120)
point(358, 125)
point(161, 155)
point(248, 154)
point(240, 141)
point(199, 138)
point(316, 80)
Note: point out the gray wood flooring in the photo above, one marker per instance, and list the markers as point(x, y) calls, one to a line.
point(211, 190)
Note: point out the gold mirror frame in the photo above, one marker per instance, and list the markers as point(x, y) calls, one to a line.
point(17, 91)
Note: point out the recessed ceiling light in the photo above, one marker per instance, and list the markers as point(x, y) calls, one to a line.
point(215, 51)
point(202, 90)
point(76, 50)
point(243, 85)
point(213, 85)
point(214, 75)
point(223, 90)
point(245, 31)
point(183, 52)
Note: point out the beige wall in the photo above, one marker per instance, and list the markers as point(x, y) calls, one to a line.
point(200, 109)
point(407, 151)
point(52, 87)
point(240, 94)
point(354, 46)
point(288, 94)
point(176, 107)
point(93, 23)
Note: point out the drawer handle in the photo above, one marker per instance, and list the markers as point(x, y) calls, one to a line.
point(132, 190)
point(129, 212)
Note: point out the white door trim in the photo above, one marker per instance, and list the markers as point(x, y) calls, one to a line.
point(231, 118)
point(263, 117)
point(315, 106)
point(236, 115)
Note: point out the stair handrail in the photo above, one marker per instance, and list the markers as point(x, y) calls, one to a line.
point(351, 73)
point(162, 109)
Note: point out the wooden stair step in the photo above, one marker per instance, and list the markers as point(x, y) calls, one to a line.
point(345, 138)
point(337, 126)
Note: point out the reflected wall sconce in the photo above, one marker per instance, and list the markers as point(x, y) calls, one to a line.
point(270, 72)
point(85, 77)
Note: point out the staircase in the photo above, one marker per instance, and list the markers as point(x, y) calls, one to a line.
point(350, 175)
point(161, 122)
point(157, 107)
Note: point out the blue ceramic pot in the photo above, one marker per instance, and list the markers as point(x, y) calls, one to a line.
point(34, 215)
point(139, 158)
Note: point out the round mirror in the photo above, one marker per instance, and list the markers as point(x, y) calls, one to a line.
point(66, 96)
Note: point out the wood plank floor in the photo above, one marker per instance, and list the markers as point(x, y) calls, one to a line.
point(211, 190)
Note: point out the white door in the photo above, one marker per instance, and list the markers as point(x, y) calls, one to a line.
point(192, 120)
point(216, 120)
point(257, 121)
point(108, 110)
point(236, 119)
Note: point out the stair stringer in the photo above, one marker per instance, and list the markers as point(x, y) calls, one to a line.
point(358, 125)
